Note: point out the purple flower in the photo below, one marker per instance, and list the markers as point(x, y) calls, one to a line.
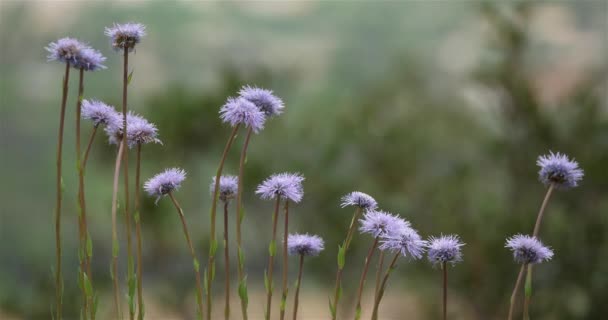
point(528, 250)
point(264, 99)
point(100, 113)
point(140, 131)
point(228, 187)
point(445, 249)
point(557, 169)
point(359, 199)
point(242, 111)
point(165, 182)
point(90, 60)
point(304, 244)
point(66, 50)
point(380, 223)
point(284, 185)
point(125, 35)
point(405, 240)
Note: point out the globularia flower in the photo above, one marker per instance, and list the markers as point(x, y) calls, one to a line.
point(125, 35)
point(380, 223)
point(404, 239)
point(242, 111)
point(228, 187)
point(304, 244)
point(264, 99)
point(557, 169)
point(100, 113)
point(528, 250)
point(445, 249)
point(165, 182)
point(90, 59)
point(140, 131)
point(359, 199)
point(284, 185)
point(66, 50)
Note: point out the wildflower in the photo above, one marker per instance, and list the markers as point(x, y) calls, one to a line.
point(140, 131)
point(284, 185)
point(304, 244)
point(445, 249)
point(66, 50)
point(165, 182)
point(125, 35)
point(90, 60)
point(558, 170)
point(404, 240)
point(381, 223)
point(528, 250)
point(100, 113)
point(264, 99)
point(242, 111)
point(359, 199)
point(228, 187)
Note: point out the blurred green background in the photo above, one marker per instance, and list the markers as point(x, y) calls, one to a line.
point(436, 108)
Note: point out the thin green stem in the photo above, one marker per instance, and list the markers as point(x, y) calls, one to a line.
point(227, 263)
point(528, 292)
point(368, 259)
point(515, 290)
point(296, 299)
point(271, 254)
point(382, 287)
point(212, 242)
point(345, 246)
point(199, 288)
point(445, 290)
point(140, 299)
point(58, 276)
point(539, 217)
point(285, 260)
point(115, 245)
point(239, 220)
point(89, 145)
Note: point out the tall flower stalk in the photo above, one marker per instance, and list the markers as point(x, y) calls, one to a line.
point(302, 245)
point(65, 50)
point(443, 251)
point(164, 184)
point(123, 39)
point(361, 202)
point(286, 186)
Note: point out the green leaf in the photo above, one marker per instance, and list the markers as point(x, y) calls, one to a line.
point(358, 313)
point(243, 291)
point(212, 268)
point(241, 258)
point(136, 217)
point(283, 301)
point(341, 257)
point(95, 303)
point(111, 271)
point(89, 246)
point(339, 292)
point(114, 248)
point(88, 287)
point(241, 215)
point(266, 282)
point(130, 77)
point(132, 284)
point(196, 265)
point(206, 281)
point(142, 310)
point(272, 248)
point(332, 309)
point(131, 300)
point(212, 247)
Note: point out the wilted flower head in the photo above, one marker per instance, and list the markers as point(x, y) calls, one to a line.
point(264, 99)
point(304, 244)
point(242, 111)
point(445, 249)
point(557, 169)
point(527, 249)
point(90, 60)
point(125, 35)
point(284, 185)
point(140, 131)
point(100, 113)
point(65, 50)
point(165, 182)
point(380, 223)
point(359, 199)
point(404, 239)
point(228, 187)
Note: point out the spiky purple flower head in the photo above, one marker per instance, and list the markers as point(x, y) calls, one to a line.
point(228, 187)
point(165, 182)
point(359, 199)
point(557, 169)
point(66, 50)
point(528, 250)
point(304, 244)
point(445, 249)
point(264, 99)
point(140, 131)
point(90, 59)
point(404, 239)
point(381, 223)
point(284, 185)
point(125, 35)
point(100, 113)
point(242, 111)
